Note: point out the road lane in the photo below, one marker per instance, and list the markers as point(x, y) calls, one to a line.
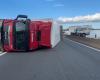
point(67, 61)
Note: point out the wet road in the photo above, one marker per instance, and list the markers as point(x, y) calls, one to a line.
point(67, 61)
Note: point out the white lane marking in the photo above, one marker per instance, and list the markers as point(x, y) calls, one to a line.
point(2, 53)
point(85, 45)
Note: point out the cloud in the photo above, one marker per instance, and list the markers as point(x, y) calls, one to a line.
point(59, 5)
point(87, 18)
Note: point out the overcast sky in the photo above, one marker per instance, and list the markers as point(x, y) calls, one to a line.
point(63, 10)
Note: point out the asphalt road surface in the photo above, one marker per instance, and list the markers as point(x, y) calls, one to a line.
point(67, 61)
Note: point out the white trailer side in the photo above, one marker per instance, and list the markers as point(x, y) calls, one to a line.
point(55, 33)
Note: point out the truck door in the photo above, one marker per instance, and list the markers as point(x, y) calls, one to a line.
point(1, 25)
point(33, 35)
point(7, 35)
point(44, 34)
point(1, 22)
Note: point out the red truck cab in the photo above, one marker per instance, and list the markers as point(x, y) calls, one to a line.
point(15, 35)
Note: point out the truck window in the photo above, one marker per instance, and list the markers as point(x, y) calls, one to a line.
point(20, 26)
point(6, 37)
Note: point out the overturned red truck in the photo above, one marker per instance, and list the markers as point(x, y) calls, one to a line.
point(22, 34)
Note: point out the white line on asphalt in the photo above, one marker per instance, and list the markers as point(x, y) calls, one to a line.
point(2, 53)
point(85, 45)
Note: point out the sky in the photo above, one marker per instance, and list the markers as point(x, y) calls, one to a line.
point(56, 9)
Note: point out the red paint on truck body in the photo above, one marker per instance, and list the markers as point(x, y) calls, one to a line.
point(8, 35)
point(45, 29)
point(39, 34)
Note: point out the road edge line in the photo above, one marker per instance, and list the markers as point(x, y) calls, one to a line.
point(85, 45)
point(3, 53)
